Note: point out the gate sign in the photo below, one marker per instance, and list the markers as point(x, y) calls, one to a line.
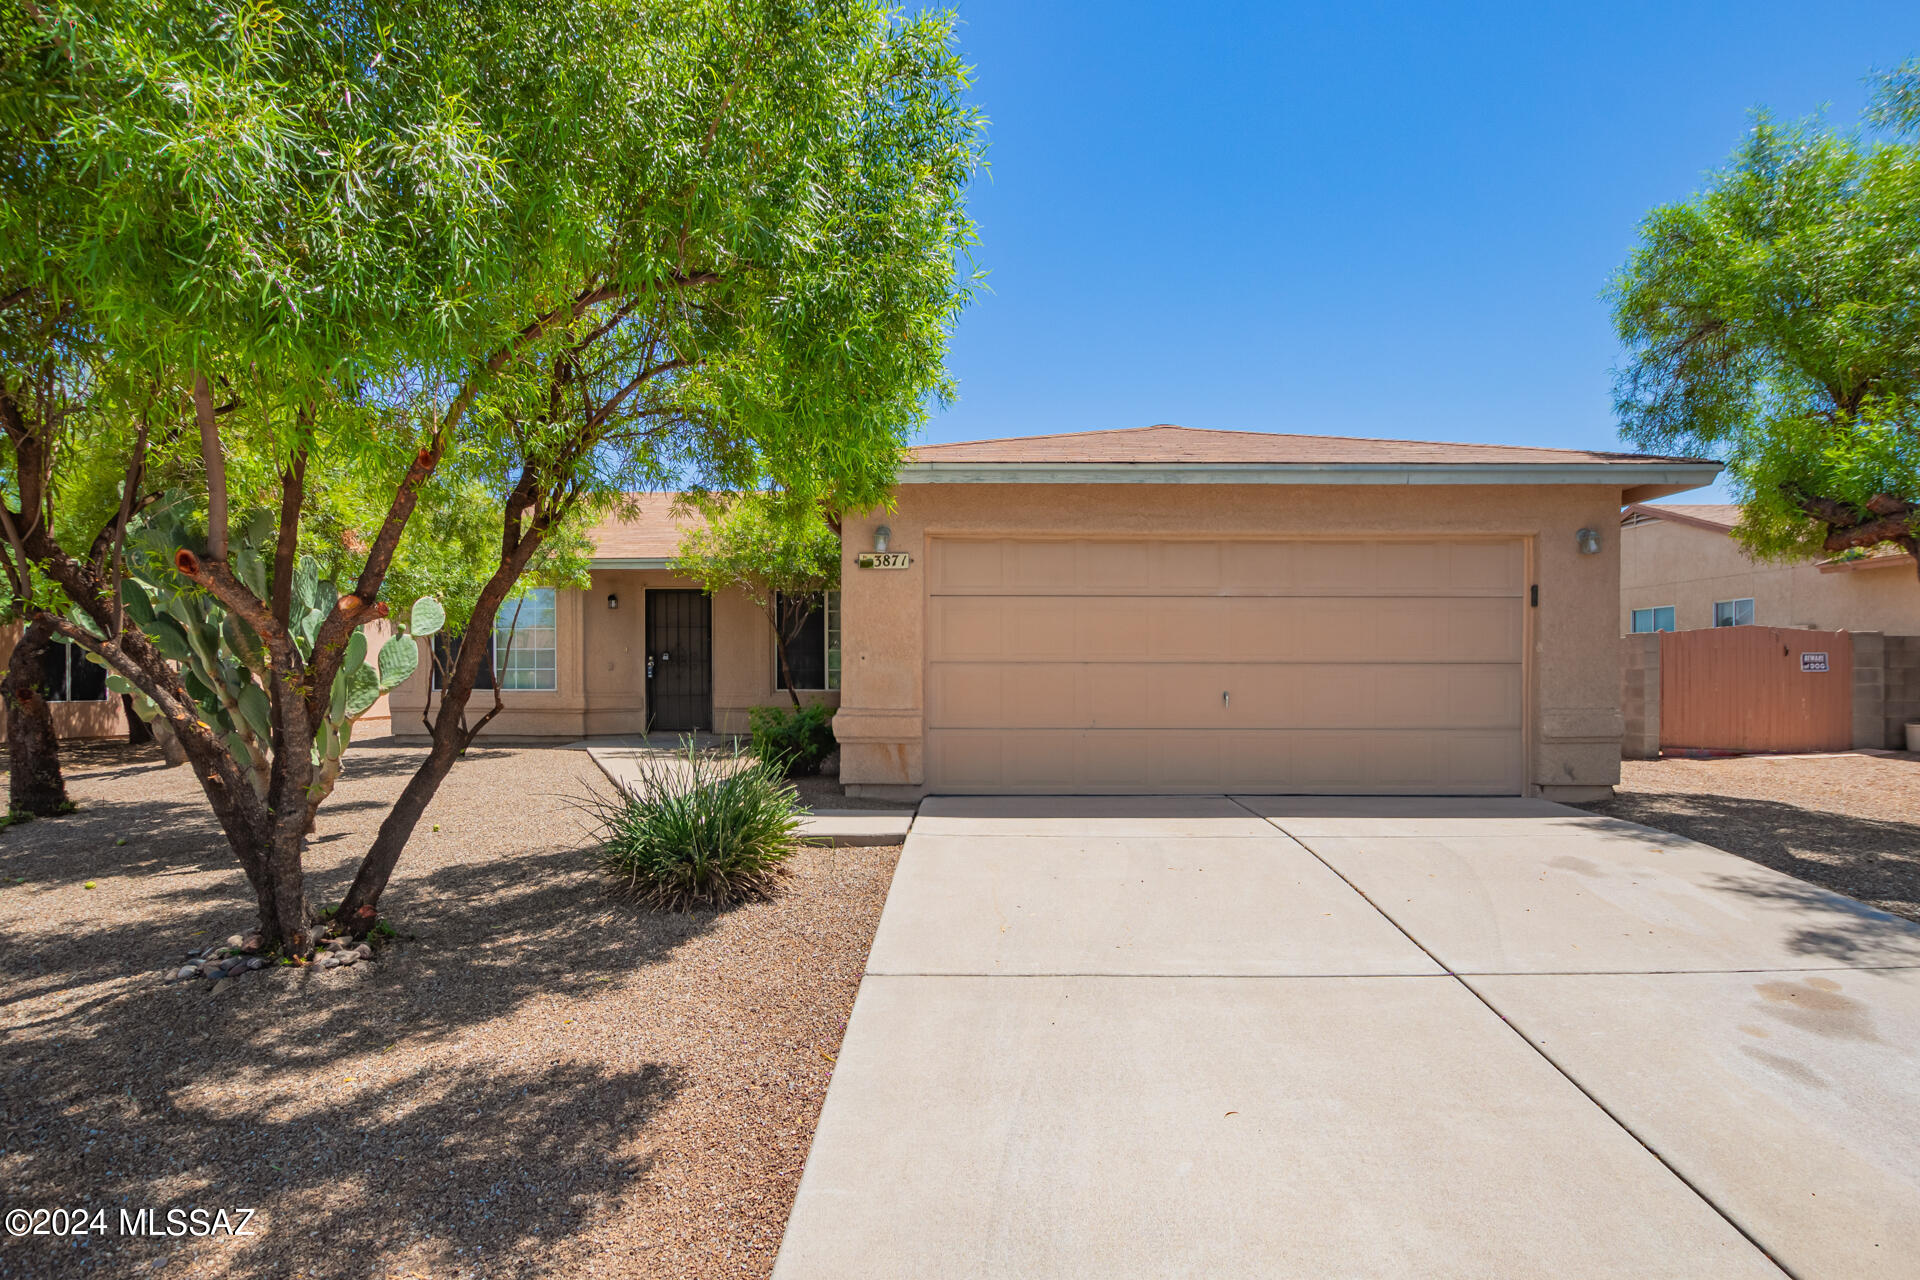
point(1813, 662)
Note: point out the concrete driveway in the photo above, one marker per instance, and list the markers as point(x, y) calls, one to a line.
point(1262, 1037)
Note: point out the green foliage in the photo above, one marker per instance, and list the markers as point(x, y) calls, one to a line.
point(1773, 321)
point(761, 544)
point(793, 741)
point(479, 269)
point(223, 661)
point(702, 830)
point(451, 547)
point(765, 546)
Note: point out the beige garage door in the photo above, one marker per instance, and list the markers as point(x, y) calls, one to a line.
point(1164, 666)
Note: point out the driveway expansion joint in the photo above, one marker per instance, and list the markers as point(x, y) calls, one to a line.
point(1551, 1061)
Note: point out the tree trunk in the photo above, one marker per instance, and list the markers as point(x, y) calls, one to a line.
point(777, 616)
point(360, 910)
point(786, 672)
point(34, 783)
point(139, 732)
point(170, 748)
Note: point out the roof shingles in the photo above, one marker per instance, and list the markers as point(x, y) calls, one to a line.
point(1166, 444)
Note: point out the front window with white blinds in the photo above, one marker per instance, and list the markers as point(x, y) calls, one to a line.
point(525, 642)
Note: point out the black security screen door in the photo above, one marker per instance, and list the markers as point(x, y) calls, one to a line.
point(679, 660)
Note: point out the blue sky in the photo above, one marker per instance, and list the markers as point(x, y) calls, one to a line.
point(1351, 219)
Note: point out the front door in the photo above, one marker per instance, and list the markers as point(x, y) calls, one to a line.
point(679, 661)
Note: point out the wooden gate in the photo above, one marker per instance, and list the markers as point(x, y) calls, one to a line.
point(1756, 689)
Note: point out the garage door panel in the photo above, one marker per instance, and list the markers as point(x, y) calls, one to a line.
point(1116, 566)
point(1226, 567)
point(1114, 761)
point(1190, 628)
point(1183, 761)
point(1347, 667)
point(988, 628)
point(1186, 567)
point(1472, 629)
point(1066, 695)
point(1299, 629)
point(1273, 762)
point(1490, 568)
point(966, 565)
point(1041, 566)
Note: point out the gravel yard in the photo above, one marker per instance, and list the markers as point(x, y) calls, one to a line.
point(536, 1079)
point(1848, 822)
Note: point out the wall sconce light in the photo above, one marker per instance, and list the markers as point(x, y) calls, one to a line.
point(1588, 540)
point(881, 537)
point(613, 600)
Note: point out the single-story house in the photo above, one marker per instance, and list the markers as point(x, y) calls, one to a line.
point(640, 650)
point(84, 708)
point(1681, 570)
point(76, 691)
point(1154, 610)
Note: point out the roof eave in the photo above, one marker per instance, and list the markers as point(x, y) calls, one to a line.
point(1636, 505)
point(1637, 480)
point(630, 562)
point(1855, 565)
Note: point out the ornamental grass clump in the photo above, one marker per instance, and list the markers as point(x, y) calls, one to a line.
point(699, 829)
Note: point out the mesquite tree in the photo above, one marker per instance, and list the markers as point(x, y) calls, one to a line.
point(52, 410)
point(1774, 320)
point(573, 249)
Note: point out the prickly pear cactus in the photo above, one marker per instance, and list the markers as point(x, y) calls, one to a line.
point(223, 662)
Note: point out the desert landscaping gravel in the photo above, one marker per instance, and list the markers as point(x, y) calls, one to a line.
point(534, 1079)
point(1848, 822)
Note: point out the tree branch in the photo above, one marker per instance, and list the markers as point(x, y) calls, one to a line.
point(286, 547)
point(214, 460)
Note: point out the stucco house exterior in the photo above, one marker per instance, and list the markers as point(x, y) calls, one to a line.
point(1681, 570)
point(1159, 610)
point(641, 649)
point(76, 692)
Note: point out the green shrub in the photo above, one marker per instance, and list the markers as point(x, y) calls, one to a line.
point(793, 740)
point(700, 829)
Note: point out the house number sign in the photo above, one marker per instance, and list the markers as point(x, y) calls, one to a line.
point(883, 560)
point(1813, 662)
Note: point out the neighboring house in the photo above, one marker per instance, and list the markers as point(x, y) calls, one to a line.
point(76, 689)
point(1155, 610)
point(640, 650)
point(83, 708)
point(1681, 570)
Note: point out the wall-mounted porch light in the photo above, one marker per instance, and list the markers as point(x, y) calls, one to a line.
point(1588, 540)
point(613, 600)
point(881, 537)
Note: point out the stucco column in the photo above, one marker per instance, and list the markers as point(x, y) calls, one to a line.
point(882, 645)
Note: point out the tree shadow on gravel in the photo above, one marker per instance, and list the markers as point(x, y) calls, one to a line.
point(475, 942)
point(344, 1174)
point(1875, 861)
point(120, 1088)
point(401, 759)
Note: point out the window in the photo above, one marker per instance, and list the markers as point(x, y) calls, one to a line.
point(529, 622)
point(530, 657)
point(813, 654)
point(67, 676)
point(1733, 613)
point(1660, 619)
point(446, 652)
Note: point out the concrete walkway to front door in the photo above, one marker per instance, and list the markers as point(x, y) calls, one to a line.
point(1219, 1037)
